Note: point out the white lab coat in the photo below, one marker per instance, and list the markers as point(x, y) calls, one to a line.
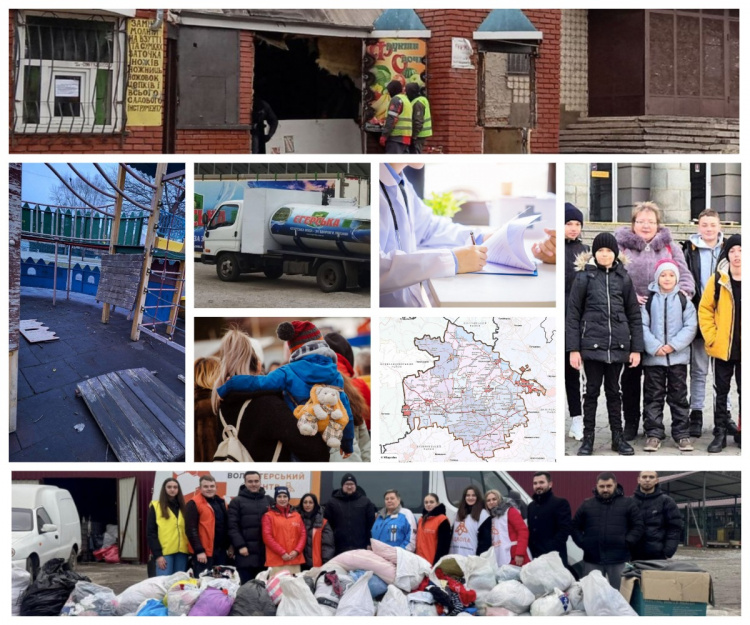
point(425, 248)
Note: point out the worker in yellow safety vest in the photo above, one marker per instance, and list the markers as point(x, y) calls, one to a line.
point(421, 121)
point(397, 130)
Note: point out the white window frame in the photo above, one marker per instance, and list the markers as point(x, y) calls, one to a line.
point(85, 71)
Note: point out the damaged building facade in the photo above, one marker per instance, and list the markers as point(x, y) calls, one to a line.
point(498, 81)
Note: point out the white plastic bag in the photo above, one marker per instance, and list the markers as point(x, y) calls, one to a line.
point(507, 572)
point(600, 599)
point(575, 594)
point(326, 596)
point(89, 599)
point(20, 582)
point(555, 603)
point(357, 600)
point(411, 569)
point(222, 583)
point(512, 595)
point(542, 575)
point(131, 598)
point(394, 603)
point(297, 599)
point(451, 564)
point(182, 596)
point(421, 604)
point(481, 571)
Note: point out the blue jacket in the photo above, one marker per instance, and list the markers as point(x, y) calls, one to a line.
point(392, 529)
point(667, 324)
point(295, 380)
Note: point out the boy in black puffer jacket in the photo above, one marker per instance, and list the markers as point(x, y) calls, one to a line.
point(603, 330)
point(574, 247)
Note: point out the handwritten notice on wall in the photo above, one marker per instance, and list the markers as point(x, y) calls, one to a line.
point(145, 83)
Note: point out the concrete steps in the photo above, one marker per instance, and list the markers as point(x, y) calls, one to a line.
point(651, 134)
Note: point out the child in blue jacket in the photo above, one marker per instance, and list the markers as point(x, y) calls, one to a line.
point(312, 362)
point(669, 327)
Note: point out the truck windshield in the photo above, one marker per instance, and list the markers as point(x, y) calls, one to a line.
point(224, 216)
point(23, 520)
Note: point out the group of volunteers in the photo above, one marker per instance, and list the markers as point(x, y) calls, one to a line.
point(639, 300)
point(242, 415)
point(260, 532)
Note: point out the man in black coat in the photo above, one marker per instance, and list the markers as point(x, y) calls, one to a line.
point(662, 520)
point(548, 519)
point(245, 513)
point(607, 526)
point(351, 515)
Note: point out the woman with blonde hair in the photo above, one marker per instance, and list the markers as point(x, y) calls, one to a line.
point(644, 243)
point(206, 371)
point(265, 424)
point(507, 532)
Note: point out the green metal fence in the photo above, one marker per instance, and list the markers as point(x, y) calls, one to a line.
point(79, 225)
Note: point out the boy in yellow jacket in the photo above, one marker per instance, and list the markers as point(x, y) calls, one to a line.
point(720, 318)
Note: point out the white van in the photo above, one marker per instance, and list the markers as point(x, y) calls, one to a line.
point(45, 526)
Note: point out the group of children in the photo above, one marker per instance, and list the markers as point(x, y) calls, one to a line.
point(608, 329)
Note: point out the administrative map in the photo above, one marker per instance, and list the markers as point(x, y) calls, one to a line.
point(467, 389)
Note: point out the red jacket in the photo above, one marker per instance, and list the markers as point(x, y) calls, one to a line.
point(283, 532)
point(518, 532)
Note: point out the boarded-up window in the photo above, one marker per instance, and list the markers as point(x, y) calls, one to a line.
point(208, 76)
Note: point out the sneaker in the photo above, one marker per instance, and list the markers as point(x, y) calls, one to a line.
point(685, 444)
point(576, 428)
point(652, 444)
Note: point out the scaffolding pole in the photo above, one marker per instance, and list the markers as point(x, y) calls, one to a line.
point(153, 222)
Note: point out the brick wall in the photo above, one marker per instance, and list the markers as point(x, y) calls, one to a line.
point(545, 138)
point(136, 139)
point(453, 92)
point(234, 141)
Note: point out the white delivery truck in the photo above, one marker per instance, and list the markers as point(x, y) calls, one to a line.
point(279, 232)
point(45, 526)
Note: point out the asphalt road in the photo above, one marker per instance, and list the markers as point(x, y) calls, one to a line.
point(257, 291)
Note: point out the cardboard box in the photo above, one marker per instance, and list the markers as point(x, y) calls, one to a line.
point(668, 593)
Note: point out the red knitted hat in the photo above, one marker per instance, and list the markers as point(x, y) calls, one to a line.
point(297, 333)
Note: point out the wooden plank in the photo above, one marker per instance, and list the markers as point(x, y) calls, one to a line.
point(132, 419)
point(35, 331)
point(138, 419)
point(96, 398)
point(162, 402)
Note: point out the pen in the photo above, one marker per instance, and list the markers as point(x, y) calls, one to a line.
point(473, 241)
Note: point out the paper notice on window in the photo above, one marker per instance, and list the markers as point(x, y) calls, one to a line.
point(67, 87)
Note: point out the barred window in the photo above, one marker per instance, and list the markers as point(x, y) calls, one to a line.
point(70, 74)
point(519, 64)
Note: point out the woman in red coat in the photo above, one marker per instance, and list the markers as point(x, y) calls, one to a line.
point(510, 536)
point(284, 535)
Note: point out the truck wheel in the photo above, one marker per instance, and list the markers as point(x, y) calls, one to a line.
point(331, 276)
point(73, 558)
point(32, 566)
point(272, 272)
point(227, 268)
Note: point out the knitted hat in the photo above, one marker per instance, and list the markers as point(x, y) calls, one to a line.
point(280, 490)
point(297, 333)
point(666, 264)
point(735, 239)
point(348, 477)
point(572, 213)
point(340, 345)
point(605, 239)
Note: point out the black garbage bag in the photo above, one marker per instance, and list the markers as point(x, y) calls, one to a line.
point(253, 600)
point(47, 595)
